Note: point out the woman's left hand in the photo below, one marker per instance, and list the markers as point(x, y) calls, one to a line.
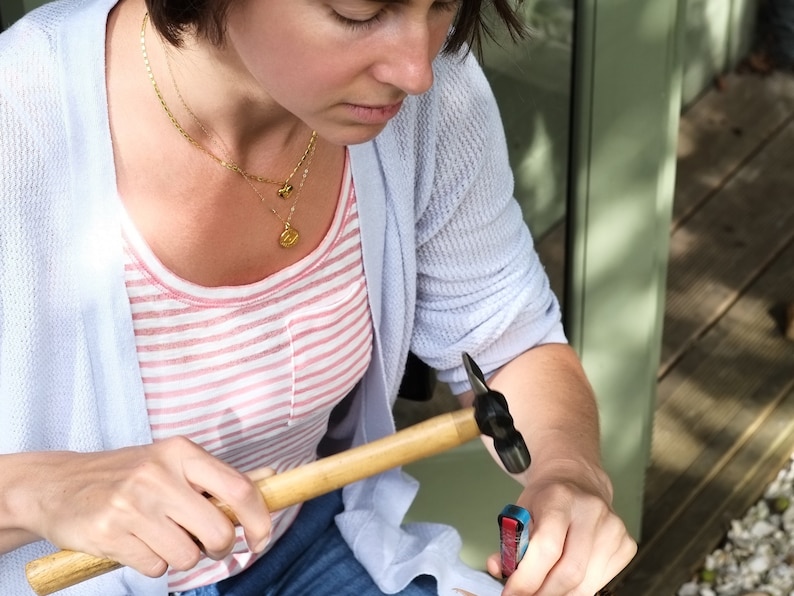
point(577, 542)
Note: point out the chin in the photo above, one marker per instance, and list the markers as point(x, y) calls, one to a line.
point(364, 136)
point(354, 134)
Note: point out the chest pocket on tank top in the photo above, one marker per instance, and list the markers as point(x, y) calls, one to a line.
point(331, 345)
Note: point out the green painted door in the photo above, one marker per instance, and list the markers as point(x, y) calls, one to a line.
point(718, 34)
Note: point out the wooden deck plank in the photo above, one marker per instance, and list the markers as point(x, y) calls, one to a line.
point(722, 433)
point(724, 430)
point(722, 387)
point(723, 247)
point(669, 559)
point(722, 130)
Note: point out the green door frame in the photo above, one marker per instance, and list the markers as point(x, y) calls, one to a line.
point(626, 104)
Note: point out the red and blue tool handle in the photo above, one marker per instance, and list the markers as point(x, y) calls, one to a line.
point(514, 522)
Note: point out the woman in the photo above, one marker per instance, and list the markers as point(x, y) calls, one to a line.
point(223, 225)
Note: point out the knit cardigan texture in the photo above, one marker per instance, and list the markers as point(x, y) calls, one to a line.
point(449, 264)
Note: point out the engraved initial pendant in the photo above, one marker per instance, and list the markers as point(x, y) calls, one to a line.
point(289, 237)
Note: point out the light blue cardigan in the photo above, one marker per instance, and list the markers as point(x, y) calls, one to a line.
point(449, 264)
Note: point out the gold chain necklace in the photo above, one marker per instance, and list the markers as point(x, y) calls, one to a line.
point(289, 236)
point(285, 188)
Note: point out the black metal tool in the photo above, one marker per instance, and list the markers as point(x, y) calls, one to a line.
point(494, 420)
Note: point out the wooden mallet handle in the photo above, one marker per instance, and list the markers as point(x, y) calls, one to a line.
point(66, 568)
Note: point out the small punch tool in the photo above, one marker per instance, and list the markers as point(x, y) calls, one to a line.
point(514, 522)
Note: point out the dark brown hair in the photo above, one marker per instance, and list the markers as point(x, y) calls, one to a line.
point(174, 18)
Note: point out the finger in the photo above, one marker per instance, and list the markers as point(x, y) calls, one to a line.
point(165, 508)
point(132, 526)
point(494, 565)
point(254, 540)
point(600, 574)
point(546, 545)
point(587, 565)
point(245, 499)
point(591, 541)
point(128, 550)
point(260, 474)
point(169, 542)
point(572, 567)
point(205, 524)
point(141, 558)
point(239, 493)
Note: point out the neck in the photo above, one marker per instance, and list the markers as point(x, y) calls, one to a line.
point(218, 102)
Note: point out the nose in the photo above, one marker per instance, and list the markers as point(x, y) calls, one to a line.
point(408, 63)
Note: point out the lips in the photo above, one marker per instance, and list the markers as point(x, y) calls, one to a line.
point(374, 114)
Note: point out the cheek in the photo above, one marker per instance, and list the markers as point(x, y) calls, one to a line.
point(303, 79)
point(291, 64)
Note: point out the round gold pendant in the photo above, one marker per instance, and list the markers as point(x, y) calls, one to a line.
point(289, 237)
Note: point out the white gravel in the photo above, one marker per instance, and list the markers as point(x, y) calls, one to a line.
point(757, 558)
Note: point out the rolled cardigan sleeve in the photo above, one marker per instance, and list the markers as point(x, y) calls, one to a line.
point(481, 287)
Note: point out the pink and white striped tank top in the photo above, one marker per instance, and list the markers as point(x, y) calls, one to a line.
point(251, 373)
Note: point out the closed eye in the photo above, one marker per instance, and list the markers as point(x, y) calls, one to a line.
point(358, 24)
point(366, 23)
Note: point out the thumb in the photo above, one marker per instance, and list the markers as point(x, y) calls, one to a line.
point(261, 474)
point(494, 565)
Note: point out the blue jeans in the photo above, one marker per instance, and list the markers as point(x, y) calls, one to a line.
point(311, 558)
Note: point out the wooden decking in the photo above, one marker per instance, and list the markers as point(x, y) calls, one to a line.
point(724, 422)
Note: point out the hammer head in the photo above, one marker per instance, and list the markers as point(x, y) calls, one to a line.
point(495, 421)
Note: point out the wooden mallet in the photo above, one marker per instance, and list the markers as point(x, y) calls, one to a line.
point(489, 416)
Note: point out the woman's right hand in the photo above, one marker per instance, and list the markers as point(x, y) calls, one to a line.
point(140, 506)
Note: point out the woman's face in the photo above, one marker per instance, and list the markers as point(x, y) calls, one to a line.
point(342, 66)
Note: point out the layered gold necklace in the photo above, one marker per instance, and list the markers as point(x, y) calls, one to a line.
point(289, 236)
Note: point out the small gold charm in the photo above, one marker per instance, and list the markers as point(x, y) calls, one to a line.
point(285, 191)
point(289, 237)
